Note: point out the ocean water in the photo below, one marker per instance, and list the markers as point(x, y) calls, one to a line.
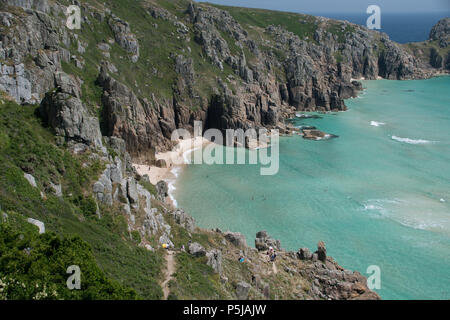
point(402, 28)
point(377, 195)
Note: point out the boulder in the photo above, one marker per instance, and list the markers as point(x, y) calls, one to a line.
point(30, 179)
point(215, 260)
point(304, 254)
point(196, 249)
point(242, 290)
point(236, 239)
point(184, 219)
point(132, 192)
point(263, 241)
point(162, 190)
point(321, 251)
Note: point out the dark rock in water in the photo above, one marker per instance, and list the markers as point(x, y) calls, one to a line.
point(307, 127)
point(315, 134)
point(307, 116)
point(357, 85)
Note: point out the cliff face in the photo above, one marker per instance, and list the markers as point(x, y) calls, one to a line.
point(149, 67)
point(114, 91)
point(435, 52)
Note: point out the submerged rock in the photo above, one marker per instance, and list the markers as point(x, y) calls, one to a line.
point(314, 134)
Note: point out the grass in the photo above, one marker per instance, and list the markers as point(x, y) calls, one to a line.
point(302, 25)
point(25, 145)
point(194, 279)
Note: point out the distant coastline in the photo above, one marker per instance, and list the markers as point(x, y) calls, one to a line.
point(401, 28)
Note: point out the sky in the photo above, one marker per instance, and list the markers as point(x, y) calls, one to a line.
point(343, 6)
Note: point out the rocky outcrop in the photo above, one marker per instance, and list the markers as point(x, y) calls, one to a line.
point(242, 289)
point(63, 110)
point(236, 238)
point(184, 220)
point(214, 260)
point(314, 134)
point(162, 190)
point(124, 37)
point(441, 32)
point(196, 249)
point(263, 241)
point(133, 120)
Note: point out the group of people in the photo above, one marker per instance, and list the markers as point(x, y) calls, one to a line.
point(272, 254)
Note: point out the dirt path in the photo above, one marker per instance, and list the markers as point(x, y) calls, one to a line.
point(274, 268)
point(170, 261)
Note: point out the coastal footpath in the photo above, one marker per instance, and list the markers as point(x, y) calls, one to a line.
point(80, 107)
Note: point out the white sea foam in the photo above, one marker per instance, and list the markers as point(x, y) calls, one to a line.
point(412, 141)
point(419, 212)
point(187, 153)
point(376, 123)
point(171, 185)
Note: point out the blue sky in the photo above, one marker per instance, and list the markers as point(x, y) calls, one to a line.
point(344, 6)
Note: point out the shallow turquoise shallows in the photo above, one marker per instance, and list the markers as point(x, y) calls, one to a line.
point(377, 195)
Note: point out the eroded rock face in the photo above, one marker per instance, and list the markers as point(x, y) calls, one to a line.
point(215, 260)
point(184, 219)
point(131, 119)
point(124, 37)
point(64, 111)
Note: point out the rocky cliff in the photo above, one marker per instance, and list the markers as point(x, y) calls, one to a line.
point(113, 92)
point(151, 67)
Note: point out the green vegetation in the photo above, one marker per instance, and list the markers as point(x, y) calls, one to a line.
point(34, 266)
point(194, 278)
point(302, 25)
point(26, 146)
point(337, 29)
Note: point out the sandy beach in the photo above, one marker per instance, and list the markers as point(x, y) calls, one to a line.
point(175, 160)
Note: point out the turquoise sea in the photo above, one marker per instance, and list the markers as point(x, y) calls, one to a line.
point(377, 195)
